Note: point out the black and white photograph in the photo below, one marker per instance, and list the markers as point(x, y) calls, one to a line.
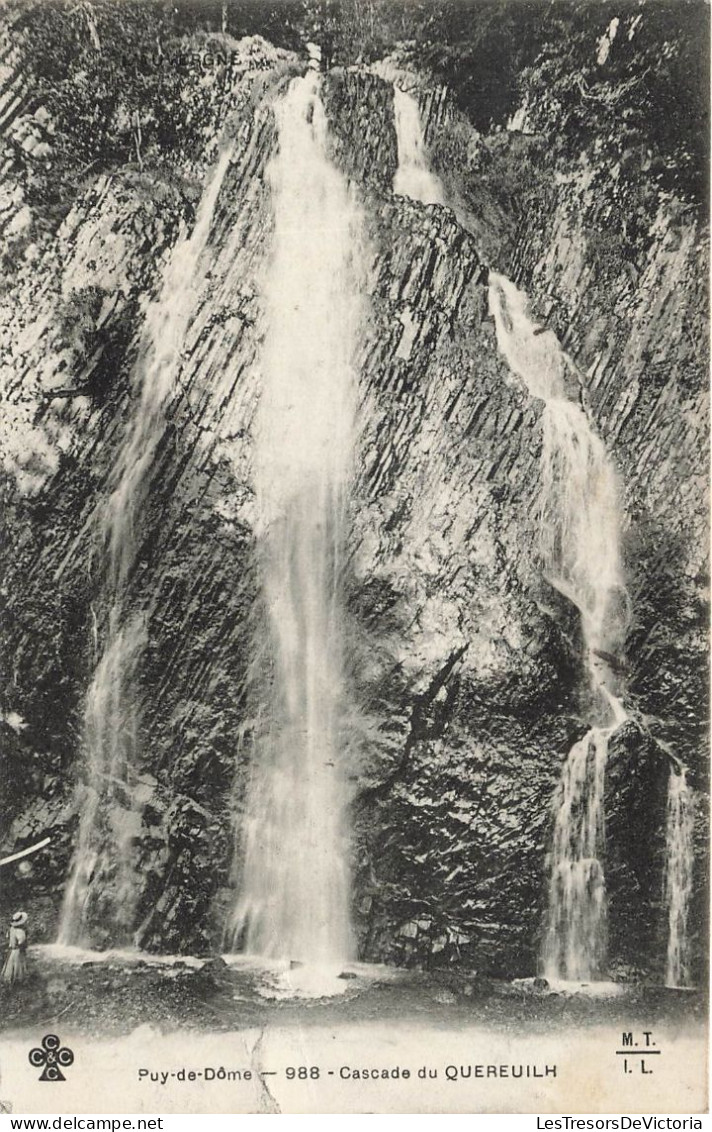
point(354, 622)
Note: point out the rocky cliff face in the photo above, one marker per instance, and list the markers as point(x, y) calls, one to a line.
point(636, 328)
point(612, 248)
point(465, 679)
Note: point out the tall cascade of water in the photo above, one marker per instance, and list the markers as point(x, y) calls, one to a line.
point(294, 898)
point(102, 882)
point(413, 177)
point(580, 550)
point(678, 876)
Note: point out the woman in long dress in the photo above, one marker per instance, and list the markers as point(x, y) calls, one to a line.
point(15, 969)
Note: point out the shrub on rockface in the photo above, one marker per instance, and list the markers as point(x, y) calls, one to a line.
point(104, 69)
point(131, 85)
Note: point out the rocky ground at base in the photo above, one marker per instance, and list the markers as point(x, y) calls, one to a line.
point(113, 998)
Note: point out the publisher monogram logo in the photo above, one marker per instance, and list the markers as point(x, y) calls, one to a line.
point(51, 1057)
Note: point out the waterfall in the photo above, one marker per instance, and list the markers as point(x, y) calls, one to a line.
point(580, 551)
point(413, 176)
point(294, 897)
point(102, 885)
point(678, 877)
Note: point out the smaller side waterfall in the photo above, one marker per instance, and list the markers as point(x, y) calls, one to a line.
point(580, 550)
point(102, 883)
point(413, 177)
point(678, 877)
point(108, 820)
point(576, 930)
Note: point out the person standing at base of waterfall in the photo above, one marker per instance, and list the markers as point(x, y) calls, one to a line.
point(15, 969)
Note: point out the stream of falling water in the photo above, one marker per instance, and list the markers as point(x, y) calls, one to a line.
point(413, 177)
point(580, 548)
point(678, 877)
point(102, 885)
point(294, 899)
